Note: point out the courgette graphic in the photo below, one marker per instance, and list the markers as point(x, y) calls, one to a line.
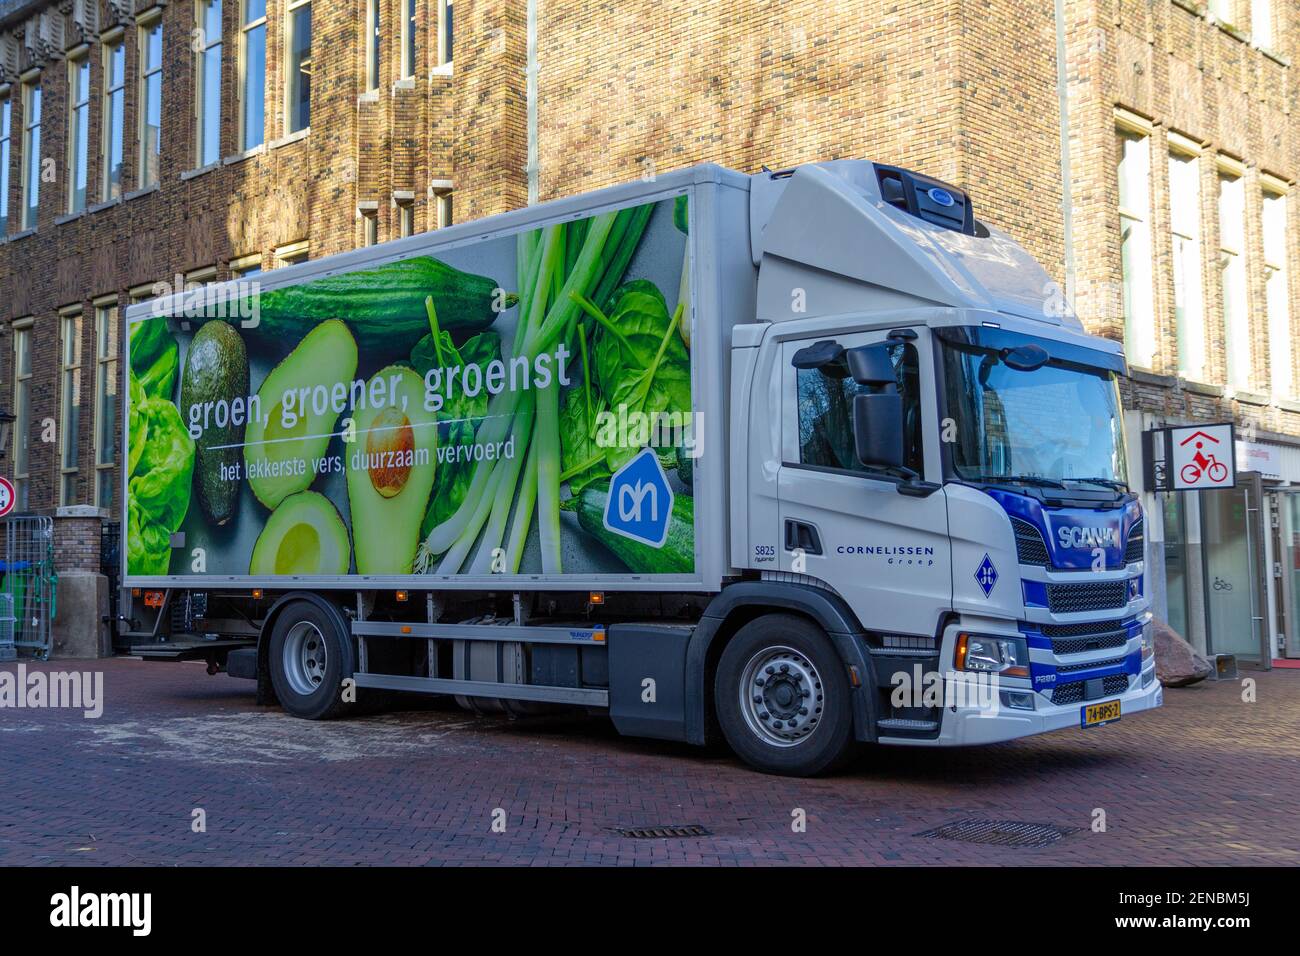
point(384, 306)
point(677, 556)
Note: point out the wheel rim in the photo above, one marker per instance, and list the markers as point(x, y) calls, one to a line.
point(304, 658)
point(781, 696)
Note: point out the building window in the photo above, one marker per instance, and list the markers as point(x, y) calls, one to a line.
point(207, 82)
point(69, 405)
point(1232, 265)
point(1135, 247)
point(31, 152)
point(406, 218)
point(1185, 224)
point(298, 70)
point(113, 117)
point(442, 198)
point(22, 407)
point(370, 224)
point(6, 119)
point(445, 33)
point(1261, 23)
point(150, 101)
point(410, 31)
point(1224, 11)
point(106, 397)
point(373, 44)
point(1275, 294)
point(246, 266)
point(252, 75)
point(78, 130)
point(292, 254)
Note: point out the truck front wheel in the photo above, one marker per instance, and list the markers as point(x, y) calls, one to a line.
point(309, 658)
point(782, 697)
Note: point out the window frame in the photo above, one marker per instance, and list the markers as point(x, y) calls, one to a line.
point(374, 47)
point(405, 217)
point(247, 27)
point(444, 206)
point(1263, 13)
point(204, 46)
point(1187, 248)
point(70, 401)
point(446, 46)
point(23, 330)
point(1277, 304)
point(77, 161)
point(30, 191)
point(409, 39)
point(1234, 279)
point(145, 25)
point(114, 40)
point(1141, 343)
point(242, 266)
point(6, 153)
point(292, 253)
point(106, 395)
point(292, 7)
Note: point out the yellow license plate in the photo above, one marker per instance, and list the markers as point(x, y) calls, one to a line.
point(1094, 715)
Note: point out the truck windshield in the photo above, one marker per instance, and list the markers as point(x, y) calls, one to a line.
point(1059, 423)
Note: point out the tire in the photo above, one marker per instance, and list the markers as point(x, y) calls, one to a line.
point(786, 741)
point(309, 657)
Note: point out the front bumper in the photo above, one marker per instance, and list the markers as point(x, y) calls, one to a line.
point(970, 725)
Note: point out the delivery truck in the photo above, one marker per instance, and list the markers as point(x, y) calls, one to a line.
point(797, 460)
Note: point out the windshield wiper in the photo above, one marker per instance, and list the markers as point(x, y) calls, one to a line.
point(1107, 482)
point(1023, 479)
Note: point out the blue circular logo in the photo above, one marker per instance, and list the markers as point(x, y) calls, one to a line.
point(942, 196)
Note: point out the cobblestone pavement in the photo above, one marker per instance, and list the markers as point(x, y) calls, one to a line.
point(1209, 779)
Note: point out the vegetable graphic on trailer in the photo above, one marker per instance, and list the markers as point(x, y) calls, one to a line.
point(1201, 457)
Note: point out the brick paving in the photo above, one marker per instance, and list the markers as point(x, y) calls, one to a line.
point(1209, 779)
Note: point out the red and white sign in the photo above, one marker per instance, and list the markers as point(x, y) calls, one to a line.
point(7, 497)
point(1202, 457)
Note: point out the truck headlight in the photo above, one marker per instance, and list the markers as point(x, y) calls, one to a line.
point(1008, 656)
point(1148, 639)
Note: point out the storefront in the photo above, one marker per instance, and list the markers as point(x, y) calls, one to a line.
point(1229, 559)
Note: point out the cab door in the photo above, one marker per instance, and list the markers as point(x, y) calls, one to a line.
point(886, 552)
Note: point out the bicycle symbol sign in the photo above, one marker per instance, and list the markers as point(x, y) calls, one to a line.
point(1202, 456)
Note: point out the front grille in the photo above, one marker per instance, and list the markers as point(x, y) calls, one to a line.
point(1088, 665)
point(1135, 551)
point(1094, 596)
point(1030, 548)
point(1089, 636)
point(1073, 693)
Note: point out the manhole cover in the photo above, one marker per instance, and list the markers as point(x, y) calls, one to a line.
point(1001, 833)
point(661, 833)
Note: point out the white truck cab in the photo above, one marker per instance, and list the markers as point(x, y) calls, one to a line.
point(981, 522)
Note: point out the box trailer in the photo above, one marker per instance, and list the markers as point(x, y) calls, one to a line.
point(807, 458)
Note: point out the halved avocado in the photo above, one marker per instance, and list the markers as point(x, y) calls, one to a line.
point(390, 468)
point(304, 535)
point(326, 356)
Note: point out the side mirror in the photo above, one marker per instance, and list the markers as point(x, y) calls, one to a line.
point(878, 429)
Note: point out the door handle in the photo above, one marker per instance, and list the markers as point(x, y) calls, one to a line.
point(799, 534)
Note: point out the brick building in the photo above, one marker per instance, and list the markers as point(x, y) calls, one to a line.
point(205, 139)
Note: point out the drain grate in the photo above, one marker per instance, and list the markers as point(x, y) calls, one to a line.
point(661, 833)
point(1001, 833)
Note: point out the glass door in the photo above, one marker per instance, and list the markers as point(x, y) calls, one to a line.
point(1287, 505)
point(1176, 561)
point(1231, 537)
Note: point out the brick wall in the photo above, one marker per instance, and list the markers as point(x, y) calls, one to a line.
point(964, 90)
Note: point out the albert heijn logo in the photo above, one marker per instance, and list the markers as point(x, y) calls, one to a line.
point(640, 501)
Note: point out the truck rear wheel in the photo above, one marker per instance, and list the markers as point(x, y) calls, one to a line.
point(310, 656)
point(782, 697)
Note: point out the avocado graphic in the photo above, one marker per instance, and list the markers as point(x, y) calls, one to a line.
point(304, 535)
point(390, 468)
point(280, 450)
point(215, 374)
